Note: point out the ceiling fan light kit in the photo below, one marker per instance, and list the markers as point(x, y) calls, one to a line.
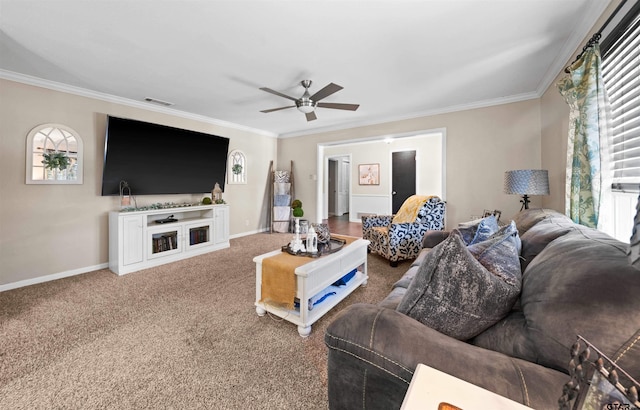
point(305, 106)
point(308, 103)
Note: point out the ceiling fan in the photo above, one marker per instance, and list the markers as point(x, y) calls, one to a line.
point(308, 103)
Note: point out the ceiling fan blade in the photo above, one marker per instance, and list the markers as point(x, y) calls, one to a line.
point(278, 109)
point(326, 91)
point(269, 90)
point(338, 106)
point(311, 116)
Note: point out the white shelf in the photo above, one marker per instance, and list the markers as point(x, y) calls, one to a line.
point(134, 236)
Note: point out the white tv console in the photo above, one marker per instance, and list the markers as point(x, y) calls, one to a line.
point(137, 241)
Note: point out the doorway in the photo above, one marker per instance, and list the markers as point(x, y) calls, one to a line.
point(403, 177)
point(339, 183)
point(430, 162)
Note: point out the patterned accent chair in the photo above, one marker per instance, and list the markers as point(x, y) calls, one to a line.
point(398, 237)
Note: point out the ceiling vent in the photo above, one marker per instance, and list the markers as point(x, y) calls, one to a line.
point(159, 102)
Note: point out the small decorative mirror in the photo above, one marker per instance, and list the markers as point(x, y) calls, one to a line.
point(237, 168)
point(54, 155)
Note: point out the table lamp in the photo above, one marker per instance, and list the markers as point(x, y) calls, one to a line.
point(526, 182)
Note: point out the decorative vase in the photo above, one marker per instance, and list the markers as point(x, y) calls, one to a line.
point(322, 230)
point(312, 240)
point(216, 194)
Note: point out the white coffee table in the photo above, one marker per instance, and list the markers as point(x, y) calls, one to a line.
point(312, 278)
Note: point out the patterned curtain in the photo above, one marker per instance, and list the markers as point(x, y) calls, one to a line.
point(587, 156)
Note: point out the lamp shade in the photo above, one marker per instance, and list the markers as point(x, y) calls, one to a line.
point(527, 182)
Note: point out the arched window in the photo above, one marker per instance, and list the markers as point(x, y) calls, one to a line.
point(236, 168)
point(54, 155)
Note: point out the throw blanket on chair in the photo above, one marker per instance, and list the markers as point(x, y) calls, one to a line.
point(408, 212)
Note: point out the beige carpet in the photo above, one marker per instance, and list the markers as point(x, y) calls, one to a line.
point(182, 336)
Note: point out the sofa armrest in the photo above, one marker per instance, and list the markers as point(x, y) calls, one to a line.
point(373, 352)
point(433, 238)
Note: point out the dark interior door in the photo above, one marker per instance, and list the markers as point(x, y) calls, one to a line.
point(403, 180)
point(333, 180)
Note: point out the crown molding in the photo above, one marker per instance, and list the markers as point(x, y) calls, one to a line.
point(83, 92)
point(573, 43)
point(420, 114)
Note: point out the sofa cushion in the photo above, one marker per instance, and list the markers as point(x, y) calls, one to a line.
point(393, 299)
point(529, 217)
point(433, 238)
point(456, 294)
point(509, 336)
point(535, 239)
point(582, 284)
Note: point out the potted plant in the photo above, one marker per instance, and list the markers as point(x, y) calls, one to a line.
point(56, 160)
point(296, 205)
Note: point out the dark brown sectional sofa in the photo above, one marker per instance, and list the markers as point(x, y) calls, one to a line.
point(575, 281)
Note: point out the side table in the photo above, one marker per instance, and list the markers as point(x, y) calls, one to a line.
point(430, 387)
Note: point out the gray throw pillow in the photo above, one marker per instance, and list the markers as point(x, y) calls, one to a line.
point(478, 230)
point(456, 294)
point(500, 254)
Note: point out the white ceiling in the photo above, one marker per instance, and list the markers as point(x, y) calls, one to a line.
point(396, 58)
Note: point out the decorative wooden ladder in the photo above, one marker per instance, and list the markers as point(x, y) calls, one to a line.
point(272, 216)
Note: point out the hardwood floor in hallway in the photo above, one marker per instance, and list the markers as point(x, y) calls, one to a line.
point(341, 225)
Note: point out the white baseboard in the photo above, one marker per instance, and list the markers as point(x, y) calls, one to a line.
point(369, 204)
point(79, 271)
point(54, 276)
point(240, 235)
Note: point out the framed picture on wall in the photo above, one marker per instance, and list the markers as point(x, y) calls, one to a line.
point(369, 174)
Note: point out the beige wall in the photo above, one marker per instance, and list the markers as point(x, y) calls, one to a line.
point(554, 129)
point(481, 144)
point(429, 163)
point(57, 229)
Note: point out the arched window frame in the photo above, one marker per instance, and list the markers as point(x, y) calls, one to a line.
point(236, 157)
point(73, 174)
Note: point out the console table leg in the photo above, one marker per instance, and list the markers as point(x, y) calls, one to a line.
point(260, 311)
point(304, 331)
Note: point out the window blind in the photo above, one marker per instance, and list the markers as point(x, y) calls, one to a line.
point(621, 73)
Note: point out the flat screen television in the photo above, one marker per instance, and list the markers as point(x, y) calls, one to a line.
point(156, 159)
